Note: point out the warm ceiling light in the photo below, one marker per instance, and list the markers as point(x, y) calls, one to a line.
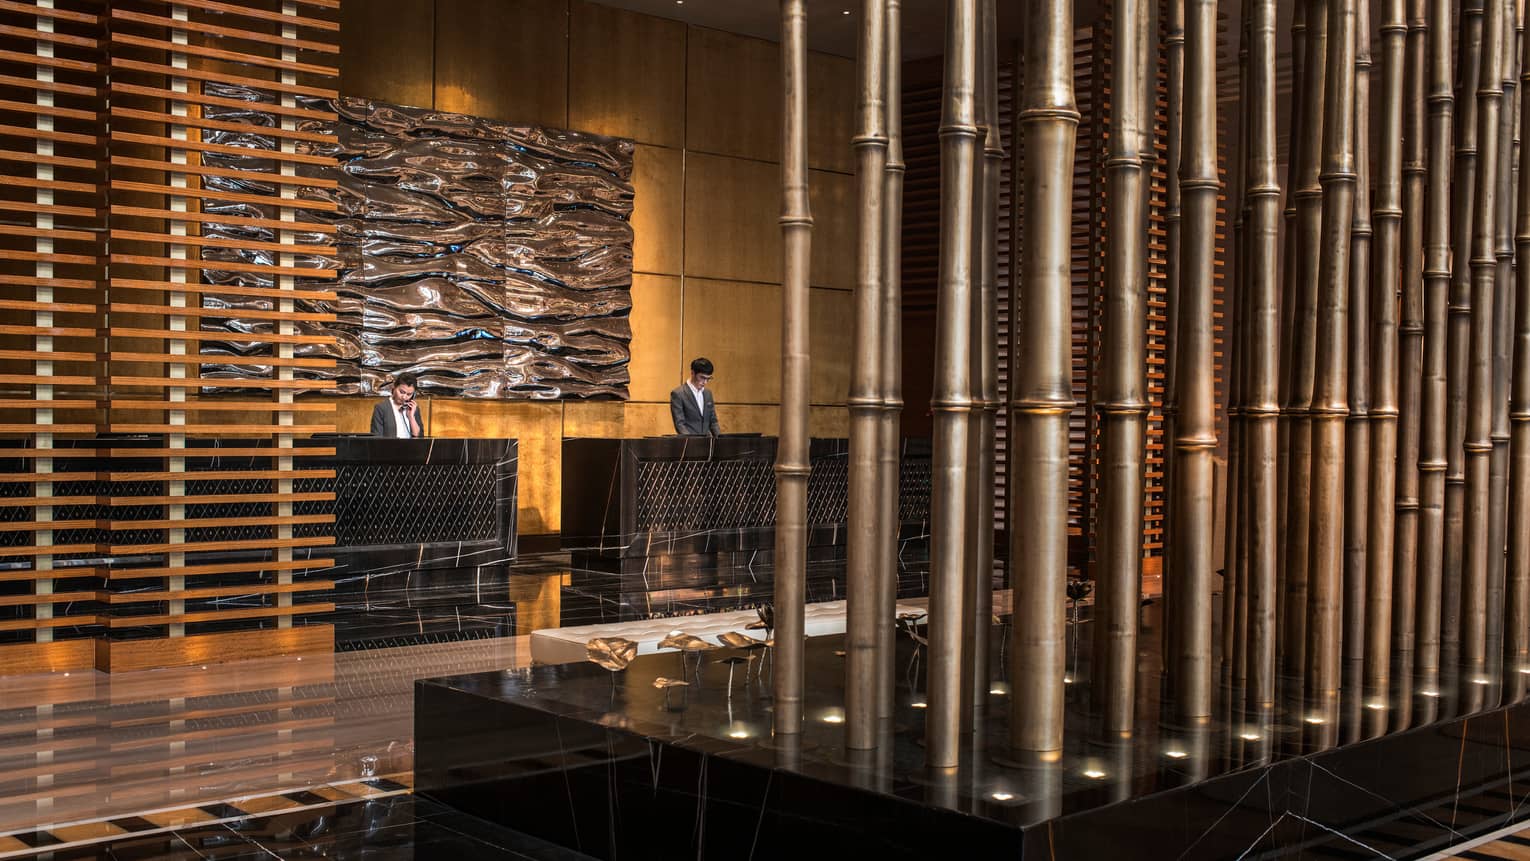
point(847, 11)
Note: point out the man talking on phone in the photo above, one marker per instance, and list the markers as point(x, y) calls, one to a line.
point(398, 417)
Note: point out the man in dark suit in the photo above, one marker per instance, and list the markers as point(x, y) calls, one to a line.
point(691, 405)
point(398, 417)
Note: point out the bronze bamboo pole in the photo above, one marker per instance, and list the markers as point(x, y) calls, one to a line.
point(1503, 335)
point(1122, 400)
point(1195, 433)
point(1174, 61)
point(792, 463)
point(1410, 367)
point(1479, 407)
point(1380, 520)
point(891, 364)
point(1330, 398)
point(952, 401)
point(1261, 408)
point(985, 357)
point(1288, 292)
point(864, 532)
point(1309, 219)
point(1458, 342)
point(1516, 642)
point(1234, 575)
point(1041, 392)
point(1357, 428)
point(1432, 460)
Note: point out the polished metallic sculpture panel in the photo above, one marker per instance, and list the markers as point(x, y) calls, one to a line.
point(493, 260)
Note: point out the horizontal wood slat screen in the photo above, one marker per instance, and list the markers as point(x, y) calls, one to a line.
point(131, 227)
point(52, 301)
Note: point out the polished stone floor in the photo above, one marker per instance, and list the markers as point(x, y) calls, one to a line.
point(391, 828)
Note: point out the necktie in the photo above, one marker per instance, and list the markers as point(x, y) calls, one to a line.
point(408, 428)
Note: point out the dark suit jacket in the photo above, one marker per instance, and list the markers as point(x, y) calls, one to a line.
point(682, 408)
point(382, 420)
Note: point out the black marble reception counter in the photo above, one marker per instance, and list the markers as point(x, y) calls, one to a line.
point(606, 764)
point(413, 519)
point(675, 505)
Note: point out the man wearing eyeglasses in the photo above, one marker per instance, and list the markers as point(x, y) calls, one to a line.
point(691, 405)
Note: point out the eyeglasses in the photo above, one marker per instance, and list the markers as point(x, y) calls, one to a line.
point(705, 378)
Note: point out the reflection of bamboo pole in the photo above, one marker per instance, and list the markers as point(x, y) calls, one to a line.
point(1329, 396)
point(1479, 407)
point(1260, 406)
point(1041, 393)
point(891, 365)
point(1458, 338)
point(1174, 58)
point(1431, 462)
point(1233, 597)
point(1121, 400)
point(1309, 215)
point(952, 401)
point(1195, 434)
point(863, 544)
point(792, 465)
point(1410, 367)
point(1357, 427)
point(1380, 519)
point(1517, 582)
point(978, 612)
point(1503, 334)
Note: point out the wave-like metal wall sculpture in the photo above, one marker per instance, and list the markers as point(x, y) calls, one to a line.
point(493, 260)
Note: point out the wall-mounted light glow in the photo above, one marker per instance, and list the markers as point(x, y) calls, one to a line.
point(920, 704)
point(1429, 693)
point(1067, 680)
point(1093, 773)
point(1375, 706)
point(1481, 681)
point(1003, 796)
point(833, 716)
point(1315, 719)
point(1250, 736)
point(739, 733)
point(999, 689)
point(1175, 754)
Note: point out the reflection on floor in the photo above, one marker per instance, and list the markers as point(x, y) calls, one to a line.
point(403, 607)
point(397, 827)
point(86, 746)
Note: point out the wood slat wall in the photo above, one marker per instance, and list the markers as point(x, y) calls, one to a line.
point(167, 284)
point(111, 278)
point(52, 268)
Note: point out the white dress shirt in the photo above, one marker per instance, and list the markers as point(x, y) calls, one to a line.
point(701, 401)
point(400, 424)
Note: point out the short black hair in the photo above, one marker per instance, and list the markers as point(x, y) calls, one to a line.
point(701, 366)
point(407, 380)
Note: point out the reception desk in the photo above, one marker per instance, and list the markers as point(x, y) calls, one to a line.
point(414, 522)
point(667, 505)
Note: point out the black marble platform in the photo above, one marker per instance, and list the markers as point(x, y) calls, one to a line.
point(604, 766)
point(680, 506)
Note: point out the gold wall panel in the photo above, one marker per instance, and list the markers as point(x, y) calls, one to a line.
point(604, 419)
point(831, 319)
point(658, 206)
point(387, 51)
point(731, 211)
point(732, 95)
point(648, 420)
point(539, 427)
point(749, 418)
point(831, 104)
point(503, 59)
point(354, 415)
point(657, 365)
point(833, 200)
point(829, 422)
point(627, 77)
point(738, 326)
